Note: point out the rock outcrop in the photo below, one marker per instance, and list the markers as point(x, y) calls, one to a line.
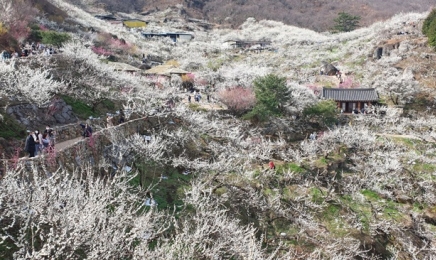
point(32, 117)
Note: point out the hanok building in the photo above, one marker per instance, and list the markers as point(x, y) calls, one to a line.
point(350, 99)
point(248, 44)
point(177, 36)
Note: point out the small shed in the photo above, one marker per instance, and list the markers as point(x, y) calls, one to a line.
point(350, 99)
point(174, 36)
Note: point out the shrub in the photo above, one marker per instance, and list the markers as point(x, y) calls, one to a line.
point(324, 112)
point(428, 21)
point(54, 38)
point(237, 99)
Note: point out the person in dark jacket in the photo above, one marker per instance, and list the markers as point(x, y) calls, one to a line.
point(122, 116)
point(87, 130)
point(30, 144)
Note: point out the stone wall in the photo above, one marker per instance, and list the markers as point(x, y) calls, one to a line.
point(33, 117)
point(71, 131)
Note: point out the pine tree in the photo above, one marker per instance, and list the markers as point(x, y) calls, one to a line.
point(429, 28)
point(271, 96)
point(346, 22)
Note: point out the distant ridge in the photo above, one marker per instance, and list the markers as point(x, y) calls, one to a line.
point(317, 15)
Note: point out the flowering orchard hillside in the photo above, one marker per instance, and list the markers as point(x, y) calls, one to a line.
point(196, 184)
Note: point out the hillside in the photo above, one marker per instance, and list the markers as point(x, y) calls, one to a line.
point(191, 179)
point(316, 15)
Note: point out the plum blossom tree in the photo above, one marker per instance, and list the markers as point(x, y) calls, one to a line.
point(237, 99)
point(34, 85)
point(71, 216)
point(16, 15)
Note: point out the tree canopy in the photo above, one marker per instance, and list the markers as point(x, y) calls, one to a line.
point(271, 95)
point(429, 28)
point(325, 112)
point(54, 38)
point(346, 22)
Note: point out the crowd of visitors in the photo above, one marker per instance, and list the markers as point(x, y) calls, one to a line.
point(26, 50)
point(38, 143)
point(87, 130)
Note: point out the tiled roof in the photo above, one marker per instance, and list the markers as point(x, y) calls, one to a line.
point(356, 94)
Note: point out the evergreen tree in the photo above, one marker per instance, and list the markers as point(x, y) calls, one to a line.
point(346, 22)
point(271, 95)
point(325, 112)
point(429, 28)
point(54, 38)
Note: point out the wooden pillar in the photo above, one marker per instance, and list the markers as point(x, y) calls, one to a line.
point(358, 105)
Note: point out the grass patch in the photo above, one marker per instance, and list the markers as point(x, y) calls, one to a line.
point(170, 183)
point(424, 168)
point(389, 209)
point(321, 163)
point(317, 195)
point(411, 144)
point(291, 192)
point(371, 195)
point(362, 210)
point(292, 167)
point(220, 191)
point(80, 108)
point(196, 107)
point(83, 110)
point(333, 222)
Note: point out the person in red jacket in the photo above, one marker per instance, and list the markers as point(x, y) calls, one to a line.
point(271, 165)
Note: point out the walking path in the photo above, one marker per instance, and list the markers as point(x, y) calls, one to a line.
point(62, 145)
point(203, 104)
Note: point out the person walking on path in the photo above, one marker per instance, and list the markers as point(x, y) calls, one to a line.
point(272, 165)
point(45, 141)
point(189, 98)
point(87, 130)
point(30, 144)
point(38, 142)
point(122, 116)
point(49, 131)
